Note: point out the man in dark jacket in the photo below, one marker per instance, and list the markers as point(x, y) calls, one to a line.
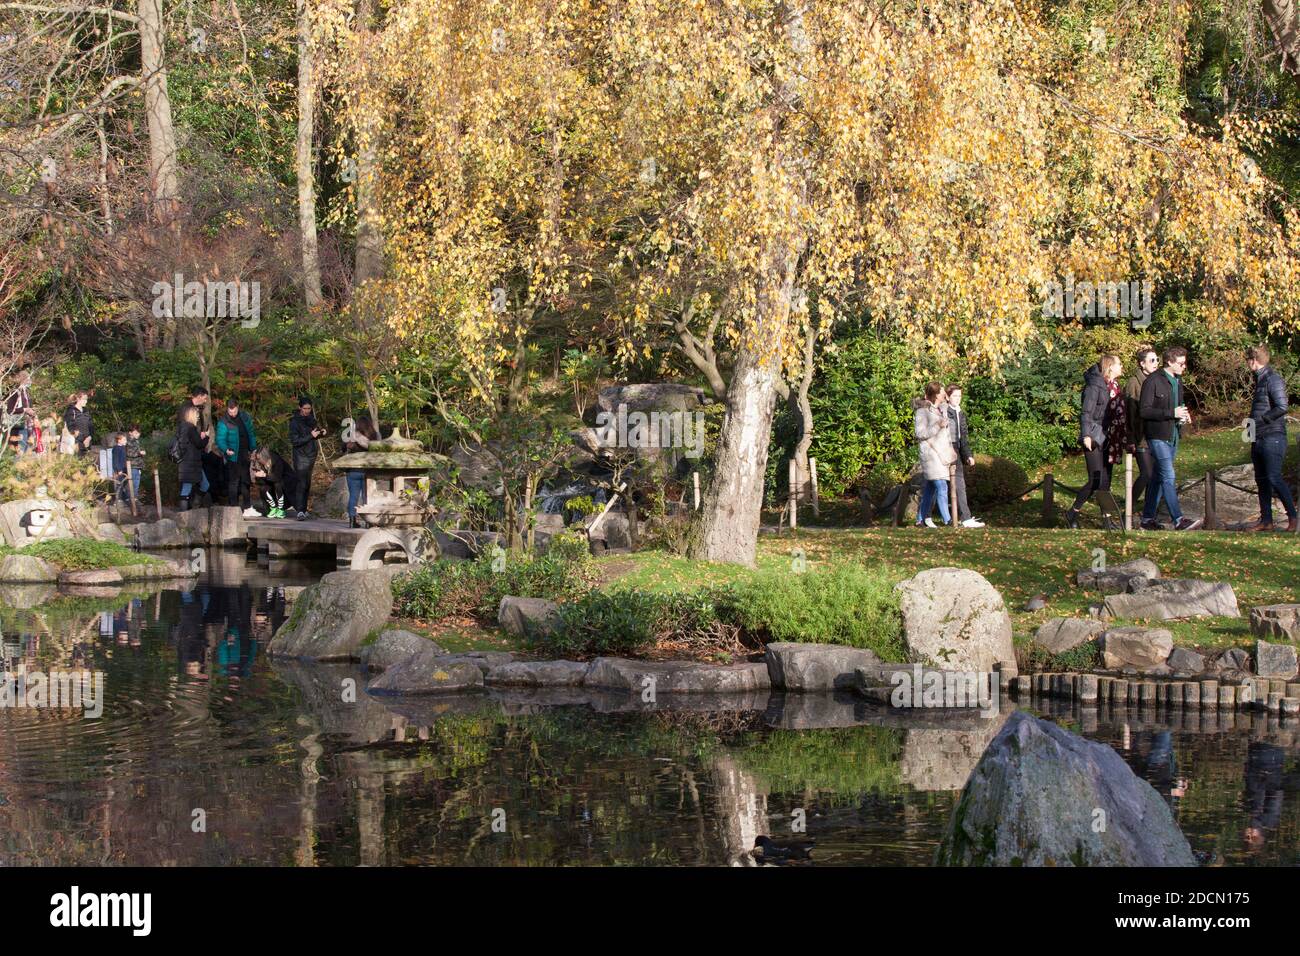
point(304, 435)
point(1268, 419)
point(1148, 360)
point(1163, 414)
point(959, 434)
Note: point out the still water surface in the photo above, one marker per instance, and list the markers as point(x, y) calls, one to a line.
point(199, 726)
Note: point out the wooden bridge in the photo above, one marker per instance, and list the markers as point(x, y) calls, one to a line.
point(285, 538)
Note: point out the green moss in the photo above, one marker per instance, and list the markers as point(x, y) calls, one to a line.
point(82, 554)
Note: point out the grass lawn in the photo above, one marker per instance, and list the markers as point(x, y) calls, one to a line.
point(1020, 563)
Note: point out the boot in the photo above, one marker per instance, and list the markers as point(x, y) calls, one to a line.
point(1260, 525)
point(1108, 523)
point(352, 521)
point(1072, 519)
point(1292, 523)
point(183, 504)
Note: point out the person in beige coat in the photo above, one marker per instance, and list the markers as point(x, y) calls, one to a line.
point(930, 425)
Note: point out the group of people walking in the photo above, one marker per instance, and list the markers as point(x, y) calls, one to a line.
point(940, 426)
point(1145, 418)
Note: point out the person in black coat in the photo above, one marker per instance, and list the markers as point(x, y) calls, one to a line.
point(1164, 413)
point(192, 443)
point(276, 481)
point(1102, 432)
point(76, 419)
point(304, 437)
point(1268, 411)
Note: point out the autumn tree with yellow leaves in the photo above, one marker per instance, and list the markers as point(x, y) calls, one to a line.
point(768, 166)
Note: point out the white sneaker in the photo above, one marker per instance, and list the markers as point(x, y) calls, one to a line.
point(972, 523)
point(252, 513)
point(929, 523)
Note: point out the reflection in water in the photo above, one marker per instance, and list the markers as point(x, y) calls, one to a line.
point(290, 771)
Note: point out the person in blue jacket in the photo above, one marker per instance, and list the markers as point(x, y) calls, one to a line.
point(1268, 409)
point(235, 443)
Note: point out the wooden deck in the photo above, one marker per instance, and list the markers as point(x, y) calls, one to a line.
point(286, 537)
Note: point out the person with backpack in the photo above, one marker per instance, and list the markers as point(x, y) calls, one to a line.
point(187, 451)
point(304, 438)
point(1268, 410)
point(277, 482)
point(235, 443)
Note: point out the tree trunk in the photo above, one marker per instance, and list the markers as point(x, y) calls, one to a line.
point(732, 507)
point(163, 175)
point(370, 242)
point(1283, 18)
point(311, 282)
point(803, 408)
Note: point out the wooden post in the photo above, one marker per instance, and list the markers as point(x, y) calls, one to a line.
point(1211, 505)
point(695, 477)
point(1128, 492)
point(952, 496)
point(900, 506)
point(157, 493)
point(812, 471)
point(130, 491)
point(1049, 504)
point(793, 472)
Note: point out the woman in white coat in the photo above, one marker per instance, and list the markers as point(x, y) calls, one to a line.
point(930, 424)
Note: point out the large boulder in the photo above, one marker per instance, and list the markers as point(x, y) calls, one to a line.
point(1276, 622)
point(1275, 661)
point(1061, 634)
point(1141, 648)
point(815, 667)
point(1119, 578)
point(428, 673)
point(335, 615)
point(529, 618)
point(196, 522)
point(1169, 599)
point(165, 533)
point(336, 497)
point(227, 527)
point(650, 397)
point(393, 647)
point(478, 468)
point(955, 619)
point(676, 677)
point(1184, 661)
point(26, 569)
point(1042, 796)
point(26, 520)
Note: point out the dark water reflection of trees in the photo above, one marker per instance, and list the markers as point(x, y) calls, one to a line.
point(287, 772)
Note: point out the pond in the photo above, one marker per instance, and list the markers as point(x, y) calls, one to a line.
point(207, 752)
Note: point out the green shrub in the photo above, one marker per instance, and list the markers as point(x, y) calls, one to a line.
point(630, 620)
point(844, 604)
point(994, 480)
point(1085, 656)
point(1027, 442)
point(442, 589)
point(569, 546)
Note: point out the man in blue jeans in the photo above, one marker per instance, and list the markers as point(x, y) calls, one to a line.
point(1268, 417)
point(1163, 416)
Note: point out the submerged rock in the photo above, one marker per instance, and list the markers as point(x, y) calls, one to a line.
point(538, 673)
point(815, 667)
point(393, 647)
point(428, 673)
point(676, 677)
point(1042, 796)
